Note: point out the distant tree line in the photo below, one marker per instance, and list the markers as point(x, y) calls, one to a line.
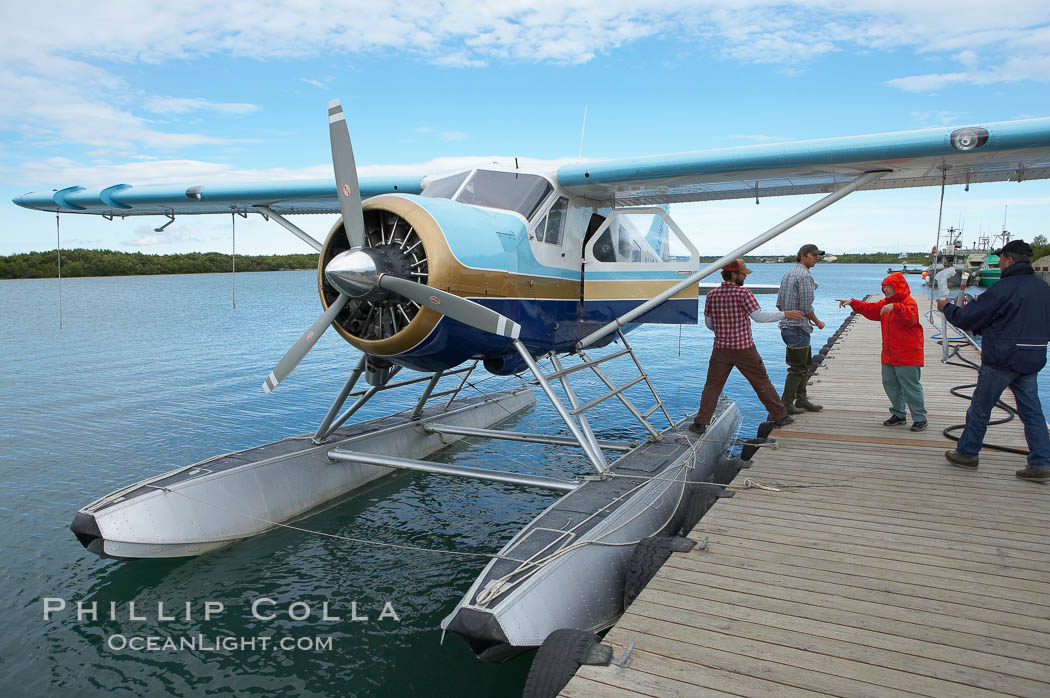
point(81, 262)
point(914, 258)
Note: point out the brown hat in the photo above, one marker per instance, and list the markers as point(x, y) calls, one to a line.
point(806, 249)
point(737, 265)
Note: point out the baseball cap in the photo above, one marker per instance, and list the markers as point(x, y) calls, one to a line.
point(806, 249)
point(1016, 247)
point(737, 265)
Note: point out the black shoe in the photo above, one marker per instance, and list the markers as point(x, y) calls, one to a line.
point(920, 426)
point(698, 429)
point(894, 420)
point(784, 422)
point(960, 461)
point(1034, 474)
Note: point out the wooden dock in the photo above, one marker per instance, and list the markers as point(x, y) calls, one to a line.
point(877, 569)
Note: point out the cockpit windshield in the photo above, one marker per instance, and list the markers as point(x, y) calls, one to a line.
point(445, 187)
point(510, 191)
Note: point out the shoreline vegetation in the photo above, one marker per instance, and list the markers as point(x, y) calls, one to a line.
point(79, 262)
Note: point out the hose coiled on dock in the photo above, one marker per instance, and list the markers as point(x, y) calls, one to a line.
point(955, 390)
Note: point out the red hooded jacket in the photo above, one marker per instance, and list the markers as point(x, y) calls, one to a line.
point(901, 328)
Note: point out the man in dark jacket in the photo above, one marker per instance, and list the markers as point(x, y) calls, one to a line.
point(1013, 317)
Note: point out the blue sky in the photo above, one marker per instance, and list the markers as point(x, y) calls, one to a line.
point(113, 92)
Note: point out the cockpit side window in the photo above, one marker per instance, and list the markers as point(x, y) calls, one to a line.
point(445, 187)
point(556, 221)
point(510, 191)
point(538, 232)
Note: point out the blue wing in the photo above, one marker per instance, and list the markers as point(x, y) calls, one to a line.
point(994, 152)
point(281, 197)
point(1009, 150)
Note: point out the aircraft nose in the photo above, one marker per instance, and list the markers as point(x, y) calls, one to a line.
point(354, 272)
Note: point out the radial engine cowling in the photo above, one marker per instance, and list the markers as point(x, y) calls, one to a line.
point(403, 238)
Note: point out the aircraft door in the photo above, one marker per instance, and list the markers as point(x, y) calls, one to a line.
point(628, 258)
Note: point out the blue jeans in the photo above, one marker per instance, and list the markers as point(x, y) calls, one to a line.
point(903, 386)
point(991, 382)
point(794, 336)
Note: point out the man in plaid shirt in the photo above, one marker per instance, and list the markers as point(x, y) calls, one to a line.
point(728, 311)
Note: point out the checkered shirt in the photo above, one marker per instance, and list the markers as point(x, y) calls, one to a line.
point(796, 293)
point(730, 306)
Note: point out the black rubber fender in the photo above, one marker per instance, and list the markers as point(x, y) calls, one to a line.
point(558, 658)
point(649, 556)
point(764, 429)
point(696, 501)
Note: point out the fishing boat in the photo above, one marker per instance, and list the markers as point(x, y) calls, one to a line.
point(904, 266)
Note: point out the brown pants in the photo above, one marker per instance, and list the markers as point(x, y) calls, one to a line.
point(749, 363)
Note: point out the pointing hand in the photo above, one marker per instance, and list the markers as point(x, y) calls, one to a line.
point(843, 303)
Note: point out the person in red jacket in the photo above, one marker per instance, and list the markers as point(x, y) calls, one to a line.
point(902, 355)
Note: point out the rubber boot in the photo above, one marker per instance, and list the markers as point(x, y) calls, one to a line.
point(791, 384)
point(803, 402)
point(801, 399)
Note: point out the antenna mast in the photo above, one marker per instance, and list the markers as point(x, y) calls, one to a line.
point(579, 155)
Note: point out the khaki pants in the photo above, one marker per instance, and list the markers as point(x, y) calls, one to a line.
point(750, 365)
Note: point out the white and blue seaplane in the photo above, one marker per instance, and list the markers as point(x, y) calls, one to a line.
point(509, 268)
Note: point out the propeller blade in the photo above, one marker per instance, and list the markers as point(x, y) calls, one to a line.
point(346, 175)
point(466, 311)
point(304, 344)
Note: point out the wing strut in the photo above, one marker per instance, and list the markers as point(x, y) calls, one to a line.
point(765, 237)
point(292, 228)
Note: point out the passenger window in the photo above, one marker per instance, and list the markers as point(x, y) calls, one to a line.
point(604, 251)
point(556, 221)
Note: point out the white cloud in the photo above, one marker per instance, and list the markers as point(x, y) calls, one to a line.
point(468, 33)
point(184, 105)
point(95, 107)
point(935, 118)
point(191, 172)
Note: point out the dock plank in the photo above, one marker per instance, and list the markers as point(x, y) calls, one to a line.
point(876, 569)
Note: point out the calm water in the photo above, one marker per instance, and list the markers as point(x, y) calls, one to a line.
point(150, 373)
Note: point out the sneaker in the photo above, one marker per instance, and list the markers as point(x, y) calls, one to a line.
point(894, 420)
point(806, 405)
point(960, 461)
point(784, 422)
point(1034, 474)
point(698, 429)
point(920, 426)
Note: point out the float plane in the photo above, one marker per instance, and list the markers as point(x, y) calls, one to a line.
point(507, 267)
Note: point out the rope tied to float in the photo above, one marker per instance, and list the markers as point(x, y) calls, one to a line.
point(751, 484)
